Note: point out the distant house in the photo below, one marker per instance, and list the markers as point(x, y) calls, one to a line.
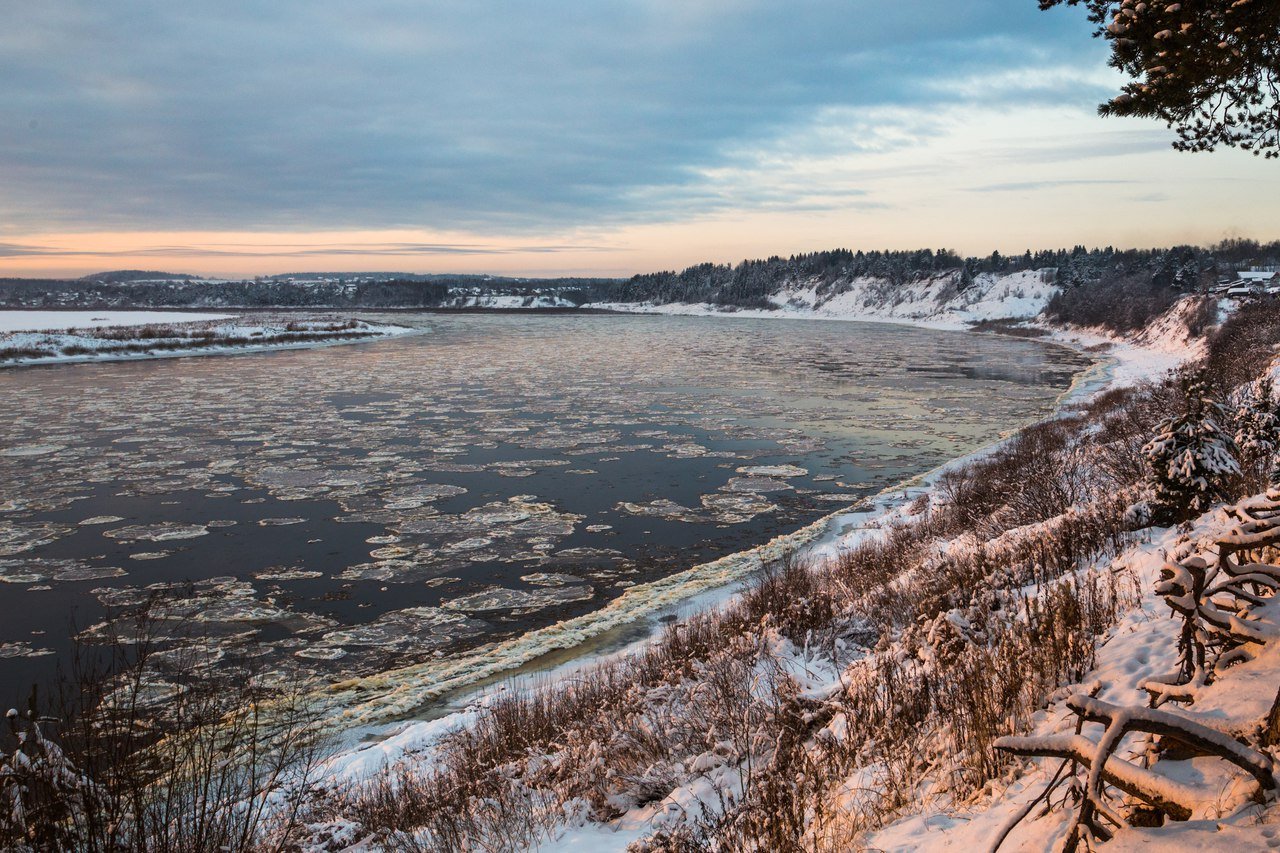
point(1255, 281)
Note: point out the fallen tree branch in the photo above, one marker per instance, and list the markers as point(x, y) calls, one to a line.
point(1173, 798)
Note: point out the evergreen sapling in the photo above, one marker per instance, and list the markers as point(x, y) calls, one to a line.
point(1192, 456)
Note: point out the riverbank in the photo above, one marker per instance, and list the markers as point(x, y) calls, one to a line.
point(634, 622)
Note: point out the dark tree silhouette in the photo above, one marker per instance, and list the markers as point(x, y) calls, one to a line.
point(1209, 68)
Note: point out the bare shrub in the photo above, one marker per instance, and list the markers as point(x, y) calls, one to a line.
point(133, 763)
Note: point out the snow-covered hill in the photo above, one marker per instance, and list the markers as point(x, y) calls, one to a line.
point(938, 302)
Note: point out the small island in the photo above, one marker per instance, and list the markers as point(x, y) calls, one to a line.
point(111, 336)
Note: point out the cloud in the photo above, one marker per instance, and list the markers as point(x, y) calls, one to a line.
point(284, 250)
point(507, 115)
point(1031, 186)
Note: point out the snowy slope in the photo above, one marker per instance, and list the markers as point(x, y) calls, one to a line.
point(1163, 345)
point(1143, 645)
point(936, 302)
point(507, 301)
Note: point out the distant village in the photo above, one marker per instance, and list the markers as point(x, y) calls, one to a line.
point(1253, 282)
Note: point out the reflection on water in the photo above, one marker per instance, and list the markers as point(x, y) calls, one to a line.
point(342, 510)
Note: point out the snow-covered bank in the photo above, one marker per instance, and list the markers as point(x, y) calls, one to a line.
point(509, 302)
point(1161, 346)
point(937, 303)
point(141, 335)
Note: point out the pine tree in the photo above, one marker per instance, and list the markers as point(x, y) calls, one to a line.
point(1257, 421)
point(1192, 456)
point(1209, 68)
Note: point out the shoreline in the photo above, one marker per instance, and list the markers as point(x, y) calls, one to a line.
point(370, 332)
point(423, 706)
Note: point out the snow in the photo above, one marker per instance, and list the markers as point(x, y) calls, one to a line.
point(512, 301)
point(934, 302)
point(1164, 345)
point(89, 342)
point(1143, 645)
point(33, 321)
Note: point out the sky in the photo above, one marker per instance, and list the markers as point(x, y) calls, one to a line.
point(598, 137)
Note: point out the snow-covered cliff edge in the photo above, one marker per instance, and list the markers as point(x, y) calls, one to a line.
point(941, 301)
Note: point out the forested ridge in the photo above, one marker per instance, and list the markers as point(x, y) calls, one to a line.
point(747, 284)
point(396, 291)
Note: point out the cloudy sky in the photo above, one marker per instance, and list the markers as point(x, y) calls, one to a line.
point(587, 137)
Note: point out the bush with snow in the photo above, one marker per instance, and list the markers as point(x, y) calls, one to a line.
point(1192, 457)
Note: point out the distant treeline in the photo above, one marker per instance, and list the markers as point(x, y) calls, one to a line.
point(107, 292)
point(750, 283)
point(1094, 281)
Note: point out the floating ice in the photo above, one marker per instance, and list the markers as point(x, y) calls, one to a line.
point(757, 484)
point(500, 598)
point(31, 450)
point(736, 508)
point(89, 573)
point(419, 627)
point(100, 519)
point(550, 579)
point(662, 508)
point(163, 532)
point(773, 471)
point(282, 574)
point(22, 571)
point(22, 650)
point(18, 537)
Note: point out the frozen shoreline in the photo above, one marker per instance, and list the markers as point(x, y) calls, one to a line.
point(371, 738)
point(27, 339)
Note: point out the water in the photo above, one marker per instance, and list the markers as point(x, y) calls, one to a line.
point(342, 510)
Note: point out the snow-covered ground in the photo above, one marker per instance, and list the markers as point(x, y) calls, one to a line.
point(935, 302)
point(1162, 346)
point(511, 301)
point(1143, 645)
point(36, 321)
